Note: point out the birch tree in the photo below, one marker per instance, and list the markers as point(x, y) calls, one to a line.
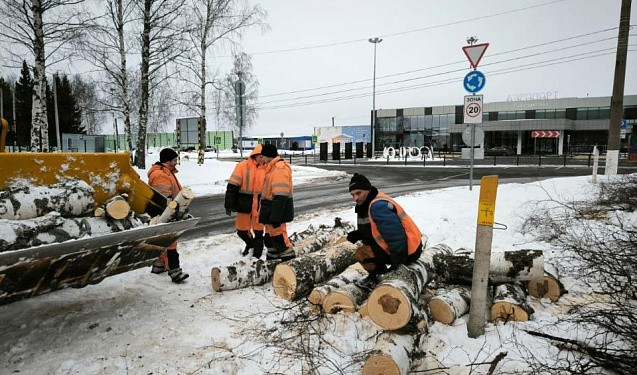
point(213, 23)
point(242, 68)
point(47, 30)
point(161, 44)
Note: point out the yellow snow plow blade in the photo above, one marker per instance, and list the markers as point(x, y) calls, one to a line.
point(109, 174)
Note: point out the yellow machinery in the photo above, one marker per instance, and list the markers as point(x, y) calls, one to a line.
point(36, 270)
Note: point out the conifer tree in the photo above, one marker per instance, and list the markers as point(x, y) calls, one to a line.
point(23, 103)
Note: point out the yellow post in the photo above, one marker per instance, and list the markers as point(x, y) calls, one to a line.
point(484, 235)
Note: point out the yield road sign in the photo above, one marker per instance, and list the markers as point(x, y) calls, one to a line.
point(545, 134)
point(474, 81)
point(474, 53)
point(473, 109)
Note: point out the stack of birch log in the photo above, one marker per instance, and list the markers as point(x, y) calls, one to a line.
point(406, 301)
point(38, 215)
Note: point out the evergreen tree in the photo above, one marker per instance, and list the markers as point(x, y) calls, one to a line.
point(69, 113)
point(23, 103)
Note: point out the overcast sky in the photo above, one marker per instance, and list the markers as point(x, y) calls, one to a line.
point(316, 63)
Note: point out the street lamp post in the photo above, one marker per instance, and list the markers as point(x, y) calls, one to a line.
point(375, 41)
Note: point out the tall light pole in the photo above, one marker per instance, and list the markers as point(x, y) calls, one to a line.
point(375, 41)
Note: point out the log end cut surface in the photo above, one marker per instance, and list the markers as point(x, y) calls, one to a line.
point(118, 209)
point(284, 282)
point(441, 311)
point(545, 287)
point(338, 301)
point(508, 312)
point(389, 308)
point(216, 279)
point(316, 298)
point(379, 364)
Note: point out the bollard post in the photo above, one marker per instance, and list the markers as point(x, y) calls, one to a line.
point(589, 160)
point(540, 159)
point(290, 159)
point(305, 159)
point(444, 160)
point(405, 159)
point(517, 160)
point(494, 161)
point(387, 159)
point(565, 159)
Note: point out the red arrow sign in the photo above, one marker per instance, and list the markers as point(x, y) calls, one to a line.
point(545, 134)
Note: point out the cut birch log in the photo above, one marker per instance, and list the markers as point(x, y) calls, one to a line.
point(448, 305)
point(117, 207)
point(183, 199)
point(99, 212)
point(17, 234)
point(509, 304)
point(363, 311)
point(351, 274)
point(70, 198)
point(505, 267)
point(548, 286)
point(100, 226)
point(243, 274)
point(176, 208)
point(393, 304)
point(70, 229)
point(249, 272)
point(295, 279)
point(346, 298)
point(391, 355)
point(169, 213)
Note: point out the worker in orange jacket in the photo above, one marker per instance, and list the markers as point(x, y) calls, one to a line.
point(276, 205)
point(242, 196)
point(161, 177)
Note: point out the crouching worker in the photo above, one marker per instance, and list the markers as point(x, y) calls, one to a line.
point(161, 177)
point(390, 237)
point(242, 196)
point(276, 205)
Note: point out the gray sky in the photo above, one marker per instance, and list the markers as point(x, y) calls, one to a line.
point(317, 53)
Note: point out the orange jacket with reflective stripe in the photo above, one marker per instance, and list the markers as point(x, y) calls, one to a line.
point(276, 199)
point(245, 182)
point(161, 177)
point(413, 234)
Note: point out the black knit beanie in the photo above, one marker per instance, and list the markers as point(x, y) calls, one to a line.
point(269, 150)
point(359, 182)
point(167, 154)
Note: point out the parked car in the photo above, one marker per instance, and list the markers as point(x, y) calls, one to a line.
point(499, 151)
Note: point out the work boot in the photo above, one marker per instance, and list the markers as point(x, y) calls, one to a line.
point(245, 236)
point(287, 254)
point(177, 275)
point(257, 241)
point(271, 254)
point(284, 253)
point(158, 266)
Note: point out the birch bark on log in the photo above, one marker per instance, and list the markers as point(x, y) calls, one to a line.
point(548, 286)
point(70, 198)
point(183, 199)
point(391, 355)
point(117, 207)
point(346, 298)
point(99, 226)
point(393, 304)
point(295, 278)
point(351, 274)
point(509, 304)
point(243, 274)
point(448, 305)
point(70, 229)
point(505, 267)
point(169, 213)
point(50, 228)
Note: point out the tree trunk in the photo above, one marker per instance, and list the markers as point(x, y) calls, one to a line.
point(100, 226)
point(391, 355)
point(351, 274)
point(393, 304)
point(346, 298)
point(448, 305)
point(17, 234)
point(244, 273)
point(117, 207)
point(509, 304)
point(39, 125)
point(296, 278)
point(547, 286)
point(505, 267)
point(71, 198)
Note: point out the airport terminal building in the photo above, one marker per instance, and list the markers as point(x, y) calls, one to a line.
point(544, 126)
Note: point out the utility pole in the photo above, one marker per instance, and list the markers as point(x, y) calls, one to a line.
point(617, 100)
point(375, 41)
point(57, 118)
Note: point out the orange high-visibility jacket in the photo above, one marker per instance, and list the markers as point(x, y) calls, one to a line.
point(161, 177)
point(244, 183)
point(413, 234)
point(277, 205)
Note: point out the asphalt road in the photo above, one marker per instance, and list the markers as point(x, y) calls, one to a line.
point(393, 180)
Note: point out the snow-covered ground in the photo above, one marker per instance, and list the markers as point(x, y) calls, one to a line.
point(141, 323)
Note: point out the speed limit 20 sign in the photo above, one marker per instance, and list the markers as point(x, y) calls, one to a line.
point(473, 109)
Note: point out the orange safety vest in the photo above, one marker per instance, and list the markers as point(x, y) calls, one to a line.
point(248, 175)
point(162, 178)
point(414, 236)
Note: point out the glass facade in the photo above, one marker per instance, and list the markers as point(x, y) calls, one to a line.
point(415, 131)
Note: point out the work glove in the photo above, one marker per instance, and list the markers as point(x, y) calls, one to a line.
point(365, 256)
point(353, 236)
point(228, 211)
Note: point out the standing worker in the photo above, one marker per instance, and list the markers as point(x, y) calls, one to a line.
point(276, 205)
point(242, 196)
point(389, 235)
point(161, 177)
